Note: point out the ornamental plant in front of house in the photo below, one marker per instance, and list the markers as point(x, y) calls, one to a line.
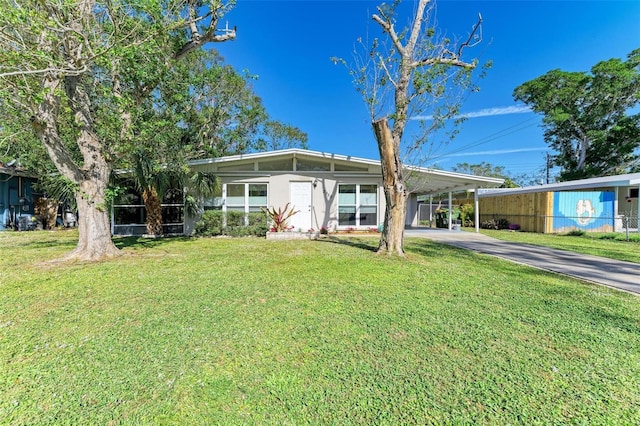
point(280, 217)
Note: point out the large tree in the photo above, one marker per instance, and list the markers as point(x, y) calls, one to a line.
point(277, 135)
point(201, 107)
point(587, 117)
point(64, 64)
point(486, 169)
point(411, 71)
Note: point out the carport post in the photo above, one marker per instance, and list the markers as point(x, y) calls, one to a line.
point(450, 209)
point(638, 212)
point(476, 210)
point(430, 210)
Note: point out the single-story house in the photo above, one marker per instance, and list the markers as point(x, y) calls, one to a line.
point(17, 197)
point(329, 190)
point(604, 204)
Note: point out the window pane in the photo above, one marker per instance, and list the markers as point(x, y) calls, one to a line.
point(339, 167)
point(311, 165)
point(347, 195)
point(173, 196)
point(129, 215)
point(347, 216)
point(277, 165)
point(368, 216)
point(369, 195)
point(235, 194)
point(236, 167)
point(258, 194)
point(215, 202)
point(172, 214)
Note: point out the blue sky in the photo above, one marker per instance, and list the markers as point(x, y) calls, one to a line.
point(288, 45)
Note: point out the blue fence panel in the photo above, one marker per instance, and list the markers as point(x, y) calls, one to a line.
point(586, 210)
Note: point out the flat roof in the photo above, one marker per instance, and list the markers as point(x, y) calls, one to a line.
point(632, 179)
point(12, 171)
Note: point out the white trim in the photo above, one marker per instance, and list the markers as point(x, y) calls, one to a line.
point(358, 205)
point(434, 181)
point(631, 179)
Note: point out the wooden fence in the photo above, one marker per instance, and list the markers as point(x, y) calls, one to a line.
point(527, 210)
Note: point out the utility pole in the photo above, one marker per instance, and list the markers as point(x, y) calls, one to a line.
point(548, 166)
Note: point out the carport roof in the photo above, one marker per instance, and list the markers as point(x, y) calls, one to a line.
point(420, 180)
point(632, 179)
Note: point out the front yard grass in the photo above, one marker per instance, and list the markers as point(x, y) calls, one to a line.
point(249, 331)
point(610, 245)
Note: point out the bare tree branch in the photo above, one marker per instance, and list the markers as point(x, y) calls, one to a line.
point(387, 26)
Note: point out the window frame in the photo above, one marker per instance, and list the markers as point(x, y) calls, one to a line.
point(246, 205)
point(359, 204)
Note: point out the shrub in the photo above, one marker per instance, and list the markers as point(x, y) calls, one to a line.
point(495, 224)
point(467, 214)
point(234, 219)
point(211, 224)
point(576, 233)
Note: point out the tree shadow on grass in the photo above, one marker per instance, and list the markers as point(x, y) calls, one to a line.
point(137, 242)
point(427, 248)
point(369, 244)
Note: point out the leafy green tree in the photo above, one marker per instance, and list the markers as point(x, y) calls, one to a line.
point(278, 135)
point(481, 169)
point(488, 170)
point(587, 117)
point(409, 72)
point(201, 107)
point(222, 114)
point(66, 65)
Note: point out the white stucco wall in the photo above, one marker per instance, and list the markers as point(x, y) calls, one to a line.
point(324, 193)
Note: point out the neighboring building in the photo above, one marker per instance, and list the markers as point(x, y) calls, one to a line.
point(17, 198)
point(332, 191)
point(606, 204)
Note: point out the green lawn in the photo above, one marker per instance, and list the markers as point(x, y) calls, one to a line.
point(613, 245)
point(248, 331)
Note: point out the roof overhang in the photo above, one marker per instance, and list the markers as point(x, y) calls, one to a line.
point(422, 181)
point(12, 171)
point(632, 179)
point(294, 152)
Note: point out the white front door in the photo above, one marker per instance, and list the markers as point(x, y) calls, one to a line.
point(300, 196)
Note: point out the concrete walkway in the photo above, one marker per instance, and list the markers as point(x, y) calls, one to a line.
point(617, 274)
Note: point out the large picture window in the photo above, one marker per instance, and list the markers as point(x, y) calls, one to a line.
point(357, 205)
point(240, 197)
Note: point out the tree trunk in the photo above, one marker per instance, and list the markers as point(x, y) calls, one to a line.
point(153, 205)
point(395, 192)
point(94, 231)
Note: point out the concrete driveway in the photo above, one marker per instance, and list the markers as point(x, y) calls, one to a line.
point(617, 274)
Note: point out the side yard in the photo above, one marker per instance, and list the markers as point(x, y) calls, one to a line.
point(612, 245)
point(249, 331)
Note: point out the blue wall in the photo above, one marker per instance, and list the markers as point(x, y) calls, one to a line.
point(10, 195)
point(586, 210)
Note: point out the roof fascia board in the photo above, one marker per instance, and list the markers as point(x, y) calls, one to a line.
point(294, 152)
point(603, 182)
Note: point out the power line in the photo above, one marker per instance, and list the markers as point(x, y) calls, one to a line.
point(497, 135)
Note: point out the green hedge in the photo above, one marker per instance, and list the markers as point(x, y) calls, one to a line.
point(212, 224)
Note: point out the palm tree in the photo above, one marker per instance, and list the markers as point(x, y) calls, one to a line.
point(152, 181)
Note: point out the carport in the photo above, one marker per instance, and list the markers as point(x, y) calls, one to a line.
point(432, 182)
